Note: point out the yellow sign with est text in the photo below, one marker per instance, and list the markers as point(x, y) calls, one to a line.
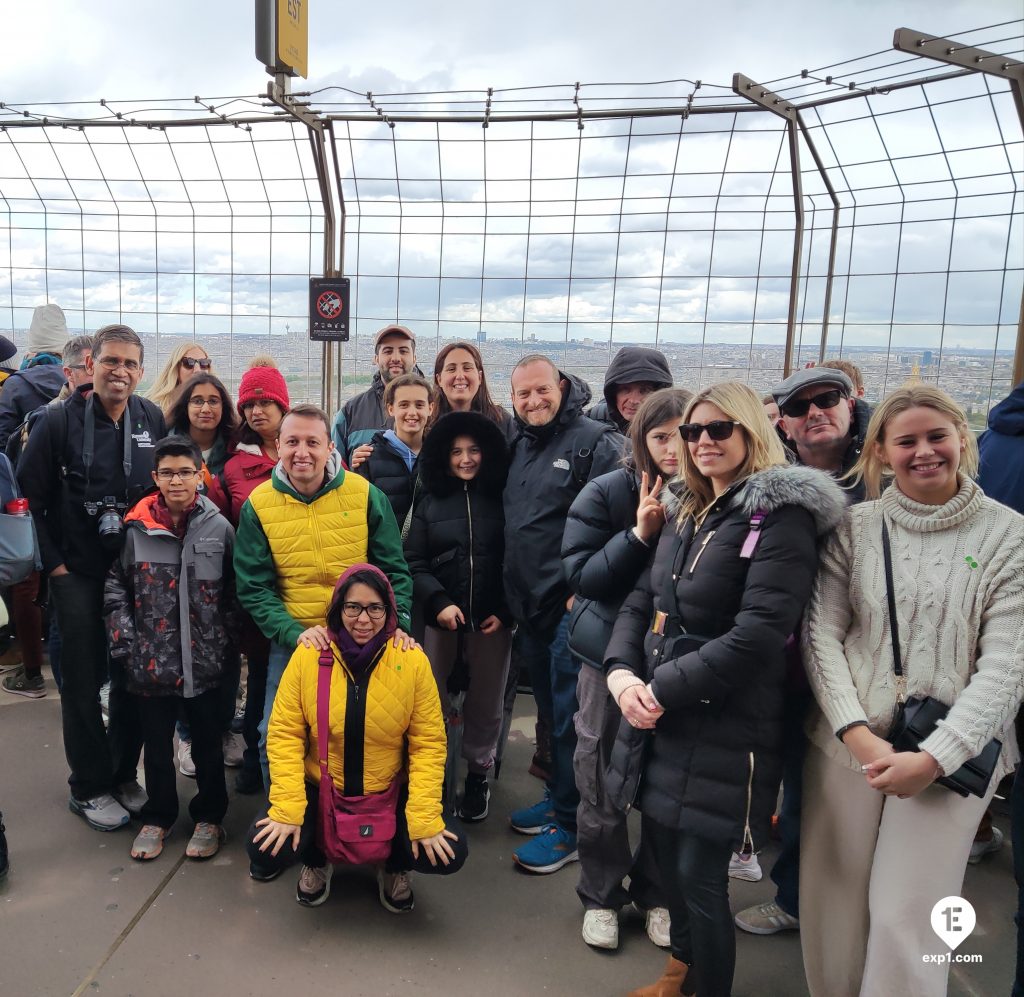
point(293, 34)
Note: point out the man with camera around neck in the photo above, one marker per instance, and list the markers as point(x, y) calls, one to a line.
point(86, 462)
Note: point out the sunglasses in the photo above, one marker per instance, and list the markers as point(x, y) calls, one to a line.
point(192, 362)
point(799, 408)
point(720, 429)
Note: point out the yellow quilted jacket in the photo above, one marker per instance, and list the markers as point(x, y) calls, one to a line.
point(402, 707)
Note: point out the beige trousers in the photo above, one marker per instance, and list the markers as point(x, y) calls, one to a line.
point(871, 869)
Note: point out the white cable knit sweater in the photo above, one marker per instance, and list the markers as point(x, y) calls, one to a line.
point(959, 579)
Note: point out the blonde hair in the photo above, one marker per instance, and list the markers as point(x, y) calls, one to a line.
point(165, 387)
point(871, 469)
point(850, 369)
point(764, 448)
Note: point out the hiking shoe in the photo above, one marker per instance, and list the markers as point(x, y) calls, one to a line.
point(395, 891)
point(263, 874)
point(533, 820)
point(657, 922)
point(475, 798)
point(745, 867)
point(102, 812)
point(249, 781)
point(233, 751)
point(5, 862)
point(186, 766)
point(601, 928)
point(19, 684)
point(314, 885)
point(149, 842)
point(979, 849)
point(131, 796)
point(766, 919)
point(552, 848)
point(205, 841)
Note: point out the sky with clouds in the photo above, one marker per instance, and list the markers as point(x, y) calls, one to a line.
point(590, 258)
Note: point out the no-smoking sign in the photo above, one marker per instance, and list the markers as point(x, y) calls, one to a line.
point(328, 309)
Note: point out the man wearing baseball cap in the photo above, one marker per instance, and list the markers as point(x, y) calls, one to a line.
point(394, 352)
point(824, 426)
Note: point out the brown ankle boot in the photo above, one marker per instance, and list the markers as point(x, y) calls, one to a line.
point(670, 983)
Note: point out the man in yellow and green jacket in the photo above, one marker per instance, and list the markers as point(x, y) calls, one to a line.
point(297, 533)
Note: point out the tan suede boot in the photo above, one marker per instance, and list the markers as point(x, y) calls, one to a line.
point(670, 983)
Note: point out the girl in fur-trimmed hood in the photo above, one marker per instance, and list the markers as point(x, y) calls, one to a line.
point(698, 654)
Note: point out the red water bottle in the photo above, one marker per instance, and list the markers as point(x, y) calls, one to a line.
point(17, 507)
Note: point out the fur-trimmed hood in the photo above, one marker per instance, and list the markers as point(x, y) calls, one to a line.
point(433, 463)
point(774, 487)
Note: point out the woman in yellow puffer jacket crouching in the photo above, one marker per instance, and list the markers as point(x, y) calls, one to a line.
point(391, 694)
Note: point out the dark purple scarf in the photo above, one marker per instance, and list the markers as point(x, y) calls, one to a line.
point(359, 657)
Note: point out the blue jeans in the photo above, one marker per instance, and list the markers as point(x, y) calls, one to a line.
point(1017, 837)
point(786, 871)
point(554, 675)
point(276, 664)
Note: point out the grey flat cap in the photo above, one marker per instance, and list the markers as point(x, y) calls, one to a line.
point(808, 377)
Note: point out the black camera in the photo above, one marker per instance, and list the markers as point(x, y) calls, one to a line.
point(109, 521)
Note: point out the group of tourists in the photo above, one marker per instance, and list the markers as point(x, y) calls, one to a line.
point(714, 594)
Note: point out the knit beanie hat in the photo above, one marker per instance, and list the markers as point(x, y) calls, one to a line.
point(7, 353)
point(49, 331)
point(263, 381)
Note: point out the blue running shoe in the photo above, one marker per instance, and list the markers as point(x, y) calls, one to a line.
point(533, 820)
point(549, 851)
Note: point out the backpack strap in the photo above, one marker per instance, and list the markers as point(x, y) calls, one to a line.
point(583, 459)
point(57, 427)
point(754, 536)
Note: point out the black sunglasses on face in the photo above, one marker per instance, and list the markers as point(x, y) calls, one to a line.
point(192, 362)
point(799, 408)
point(718, 430)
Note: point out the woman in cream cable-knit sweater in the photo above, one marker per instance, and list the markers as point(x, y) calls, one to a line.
point(880, 844)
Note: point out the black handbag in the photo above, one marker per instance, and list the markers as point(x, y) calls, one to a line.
point(917, 717)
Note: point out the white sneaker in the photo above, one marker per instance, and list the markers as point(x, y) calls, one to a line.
point(658, 924)
point(601, 928)
point(103, 812)
point(979, 849)
point(745, 867)
point(186, 766)
point(131, 796)
point(232, 751)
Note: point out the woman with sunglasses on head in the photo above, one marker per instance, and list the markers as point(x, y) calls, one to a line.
point(262, 401)
point(203, 411)
point(611, 531)
point(186, 360)
point(381, 698)
point(698, 656)
point(919, 602)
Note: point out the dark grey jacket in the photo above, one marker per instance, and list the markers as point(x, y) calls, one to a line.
point(630, 364)
point(549, 466)
point(173, 644)
point(719, 666)
point(361, 416)
point(25, 391)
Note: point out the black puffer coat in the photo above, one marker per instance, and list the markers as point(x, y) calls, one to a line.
point(549, 467)
point(387, 469)
point(600, 563)
point(456, 543)
point(714, 763)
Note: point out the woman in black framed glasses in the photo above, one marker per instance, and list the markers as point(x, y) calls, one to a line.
point(698, 657)
point(184, 362)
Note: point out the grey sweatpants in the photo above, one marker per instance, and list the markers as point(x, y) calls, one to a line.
point(871, 869)
point(488, 657)
point(601, 833)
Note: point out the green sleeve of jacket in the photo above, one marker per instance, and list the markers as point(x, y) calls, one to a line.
point(256, 581)
point(384, 550)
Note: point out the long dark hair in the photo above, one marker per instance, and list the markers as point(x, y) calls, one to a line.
point(482, 401)
point(177, 416)
point(657, 408)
